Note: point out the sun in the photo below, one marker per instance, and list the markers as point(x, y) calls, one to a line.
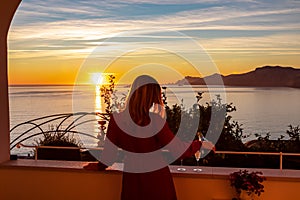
point(97, 78)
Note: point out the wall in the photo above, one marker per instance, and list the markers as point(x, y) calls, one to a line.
point(7, 10)
point(58, 184)
point(30, 184)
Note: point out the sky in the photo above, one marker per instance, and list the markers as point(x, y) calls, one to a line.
point(66, 41)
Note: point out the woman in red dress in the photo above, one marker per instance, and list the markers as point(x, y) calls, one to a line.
point(142, 135)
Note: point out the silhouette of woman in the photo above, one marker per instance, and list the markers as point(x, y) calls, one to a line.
point(141, 131)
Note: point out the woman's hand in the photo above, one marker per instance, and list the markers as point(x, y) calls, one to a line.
point(209, 145)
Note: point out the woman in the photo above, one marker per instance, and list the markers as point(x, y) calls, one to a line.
point(142, 134)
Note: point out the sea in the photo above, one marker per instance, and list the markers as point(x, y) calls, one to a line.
point(259, 110)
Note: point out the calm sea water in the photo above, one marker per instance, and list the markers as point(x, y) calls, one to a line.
point(259, 110)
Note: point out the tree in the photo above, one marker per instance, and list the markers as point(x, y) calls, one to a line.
point(213, 120)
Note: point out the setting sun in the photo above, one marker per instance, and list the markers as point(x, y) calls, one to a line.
point(97, 78)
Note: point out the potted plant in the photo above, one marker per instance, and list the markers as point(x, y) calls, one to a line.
point(58, 139)
point(248, 185)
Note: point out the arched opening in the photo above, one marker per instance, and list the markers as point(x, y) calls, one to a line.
point(7, 10)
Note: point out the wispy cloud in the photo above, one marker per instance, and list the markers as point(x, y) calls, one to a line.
point(278, 42)
point(57, 28)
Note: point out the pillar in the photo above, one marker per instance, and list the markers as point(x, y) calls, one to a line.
point(7, 10)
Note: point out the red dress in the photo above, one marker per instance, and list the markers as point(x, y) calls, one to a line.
point(143, 179)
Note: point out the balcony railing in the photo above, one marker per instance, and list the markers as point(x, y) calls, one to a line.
point(61, 123)
point(280, 154)
point(67, 122)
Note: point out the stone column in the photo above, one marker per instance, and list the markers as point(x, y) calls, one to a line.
point(7, 10)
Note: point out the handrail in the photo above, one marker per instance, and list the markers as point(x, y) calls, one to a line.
point(248, 152)
point(38, 123)
point(54, 147)
point(281, 154)
point(19, 145)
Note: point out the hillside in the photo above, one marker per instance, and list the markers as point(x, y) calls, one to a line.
point(267, 76)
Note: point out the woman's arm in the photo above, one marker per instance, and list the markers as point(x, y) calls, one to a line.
point(178, 147)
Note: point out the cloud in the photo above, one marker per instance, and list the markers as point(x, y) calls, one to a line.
point(277, 44)
point(72, 27)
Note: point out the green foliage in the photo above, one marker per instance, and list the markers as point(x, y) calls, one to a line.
point(294, 133)
point(111, 100)
point(213, 121)
point(174, 117)
point(264, 143)
point(55, 137)
point(107, 90)
point(232, 133)
point(59, 138)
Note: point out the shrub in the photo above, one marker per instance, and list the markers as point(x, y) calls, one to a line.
point(294, 133)
point(58, 138)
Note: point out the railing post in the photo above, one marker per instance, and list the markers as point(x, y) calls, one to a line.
point(280, 161)
point(36, 153)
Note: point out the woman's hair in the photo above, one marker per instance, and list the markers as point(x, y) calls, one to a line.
point(145, 93)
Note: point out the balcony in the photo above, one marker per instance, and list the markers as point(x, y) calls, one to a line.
point(41, 179)
point(48, 180)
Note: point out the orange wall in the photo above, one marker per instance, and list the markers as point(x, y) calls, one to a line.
point(54, 184)
point(218, 188)
point(30, 184)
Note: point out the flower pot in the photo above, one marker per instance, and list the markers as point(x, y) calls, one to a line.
point(58, 154)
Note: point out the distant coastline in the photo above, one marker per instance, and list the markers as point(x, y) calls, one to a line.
point(266, 76)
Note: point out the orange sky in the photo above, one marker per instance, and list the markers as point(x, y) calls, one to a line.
point(65, 71)
point(50, 43)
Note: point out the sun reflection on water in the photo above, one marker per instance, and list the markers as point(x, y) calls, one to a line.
point(98, 99)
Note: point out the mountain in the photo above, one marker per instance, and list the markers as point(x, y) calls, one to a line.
point(267, 76)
